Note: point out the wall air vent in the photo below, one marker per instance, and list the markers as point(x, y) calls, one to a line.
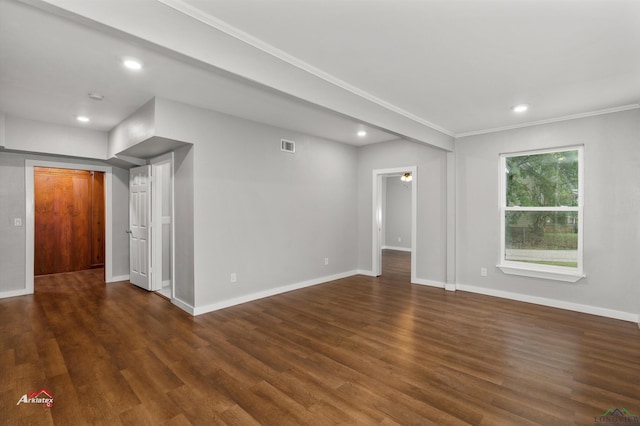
point(287, 146)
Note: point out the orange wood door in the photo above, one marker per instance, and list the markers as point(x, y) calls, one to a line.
point(65, 221)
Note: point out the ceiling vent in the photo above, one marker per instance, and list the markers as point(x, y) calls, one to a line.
point(287, 146)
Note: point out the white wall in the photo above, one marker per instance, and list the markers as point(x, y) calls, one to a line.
point(431, 191)
point(611, 215)
point(13, 205)
point(26, 135)
point(270, 217)
point(397, 217)
point(12, 239)
point(273, 217)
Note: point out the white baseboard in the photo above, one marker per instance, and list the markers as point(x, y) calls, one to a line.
point(363, 272)
point(450, 287)
point(118, 278)
point(396, 248)
point(184, 306)
point(576, 307)
point(421, 281)
point(15, 293)
point(198, 310)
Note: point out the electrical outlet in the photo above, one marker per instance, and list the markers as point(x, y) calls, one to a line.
point(17, 221)
point(326, 260)
point(399, 239)
point(483, 272)
point(234, 277)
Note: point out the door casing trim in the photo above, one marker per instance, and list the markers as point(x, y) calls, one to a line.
point(30, 214)
point(376, 243)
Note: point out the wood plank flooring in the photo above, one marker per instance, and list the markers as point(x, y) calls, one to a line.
point(355, 351)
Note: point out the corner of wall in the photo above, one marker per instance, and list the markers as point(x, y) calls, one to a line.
point(199, 310)
point(139, 126)
point(184, 228)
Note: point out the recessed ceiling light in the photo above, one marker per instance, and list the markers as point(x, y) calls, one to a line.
point(132, 64)
point(362, 133)
point(96, 96)
point(82, 118)
point(520, 108)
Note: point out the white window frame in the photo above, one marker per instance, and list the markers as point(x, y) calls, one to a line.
point(551, 272)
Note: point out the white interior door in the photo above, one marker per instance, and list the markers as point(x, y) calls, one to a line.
point(140, 226)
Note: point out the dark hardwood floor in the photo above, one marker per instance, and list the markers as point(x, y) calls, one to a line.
point(354, 351)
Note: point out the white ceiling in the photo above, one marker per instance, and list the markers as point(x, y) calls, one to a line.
point(49, 65)
point(460, 64)
point(453, 65)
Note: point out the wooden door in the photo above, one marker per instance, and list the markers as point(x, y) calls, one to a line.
point(69, 212)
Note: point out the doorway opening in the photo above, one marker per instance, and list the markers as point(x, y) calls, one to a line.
point(396, 228)
point(396, 255)
point(151, 226)
point(30, 165)
point(162, 251)
point(69, 215)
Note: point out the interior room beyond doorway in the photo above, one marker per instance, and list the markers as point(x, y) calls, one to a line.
point(396, 265)
point(69, 214)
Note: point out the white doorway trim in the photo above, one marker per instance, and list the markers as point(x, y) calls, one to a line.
point(30, 214)
point(376, 230)
point(156, 196)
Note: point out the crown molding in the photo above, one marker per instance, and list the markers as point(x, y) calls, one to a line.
point(220, 25)
point(550, 120)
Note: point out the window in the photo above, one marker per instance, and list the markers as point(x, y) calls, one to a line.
point(541, 213)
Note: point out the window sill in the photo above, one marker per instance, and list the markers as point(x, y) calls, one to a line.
point(568, 276)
